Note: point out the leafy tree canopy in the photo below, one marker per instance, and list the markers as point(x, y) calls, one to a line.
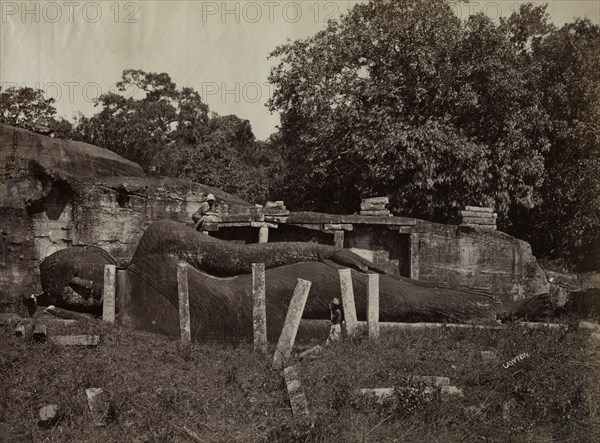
point(29, 109)
point(404, 98)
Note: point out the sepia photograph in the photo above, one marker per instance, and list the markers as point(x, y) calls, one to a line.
point(302, 221)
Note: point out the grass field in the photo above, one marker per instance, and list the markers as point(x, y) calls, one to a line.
point(160, 388)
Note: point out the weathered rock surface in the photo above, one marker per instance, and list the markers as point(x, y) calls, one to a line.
point(485, 258)
point(73, 278)
point(56, 193)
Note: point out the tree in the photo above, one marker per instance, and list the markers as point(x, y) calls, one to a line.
point(227, 156)
point(139, 128)
point(29, 109)
point(404, 98)
point(172, 131)
point(567, 224)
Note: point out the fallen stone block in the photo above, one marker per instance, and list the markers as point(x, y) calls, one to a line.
point(540, 325)
point(452, 391)
point(40, 332)
point(489, 356)
point(476, 214)
point(479, 209)
point(590, 326)
point(311, 352)
point(381, 394)
point(376, 200)
point(20, 330)
point(372, 207)
point(295, 392)
point(100, 406)
point(477, 220)
point(391, 326)
point(275, 204)
point(75, 340)
point(49, 416)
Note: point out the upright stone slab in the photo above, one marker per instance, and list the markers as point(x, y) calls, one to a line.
point(415, 256)
point(338, 239)
point(109, 293)
point(263, 235)
point(283, 351)
point(373, 306)
point(348, 301)
point(184, 303)
point(259, 307)
point(295, 392)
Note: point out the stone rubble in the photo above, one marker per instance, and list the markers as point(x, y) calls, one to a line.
point(478, 217)
point(100, 406)
point(375, 207)
point(49, 416)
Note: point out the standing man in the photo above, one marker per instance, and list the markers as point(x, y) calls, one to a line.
point(335, 332)
point(205, 208)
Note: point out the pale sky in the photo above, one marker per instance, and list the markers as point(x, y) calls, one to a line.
point(76, 49)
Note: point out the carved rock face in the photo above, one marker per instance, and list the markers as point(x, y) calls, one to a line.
point(57, 193)
point(73, 278)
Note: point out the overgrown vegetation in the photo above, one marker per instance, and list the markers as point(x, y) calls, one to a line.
point(226, 393)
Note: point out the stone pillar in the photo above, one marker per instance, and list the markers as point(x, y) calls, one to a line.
point(373, 306)
point(184, 303)
point(108, 293)
point(338, 239)
point(295, 392)
point(259, 307)
point(348, 301)
point(290, 326)
point(263, 235)
point(414, 256)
